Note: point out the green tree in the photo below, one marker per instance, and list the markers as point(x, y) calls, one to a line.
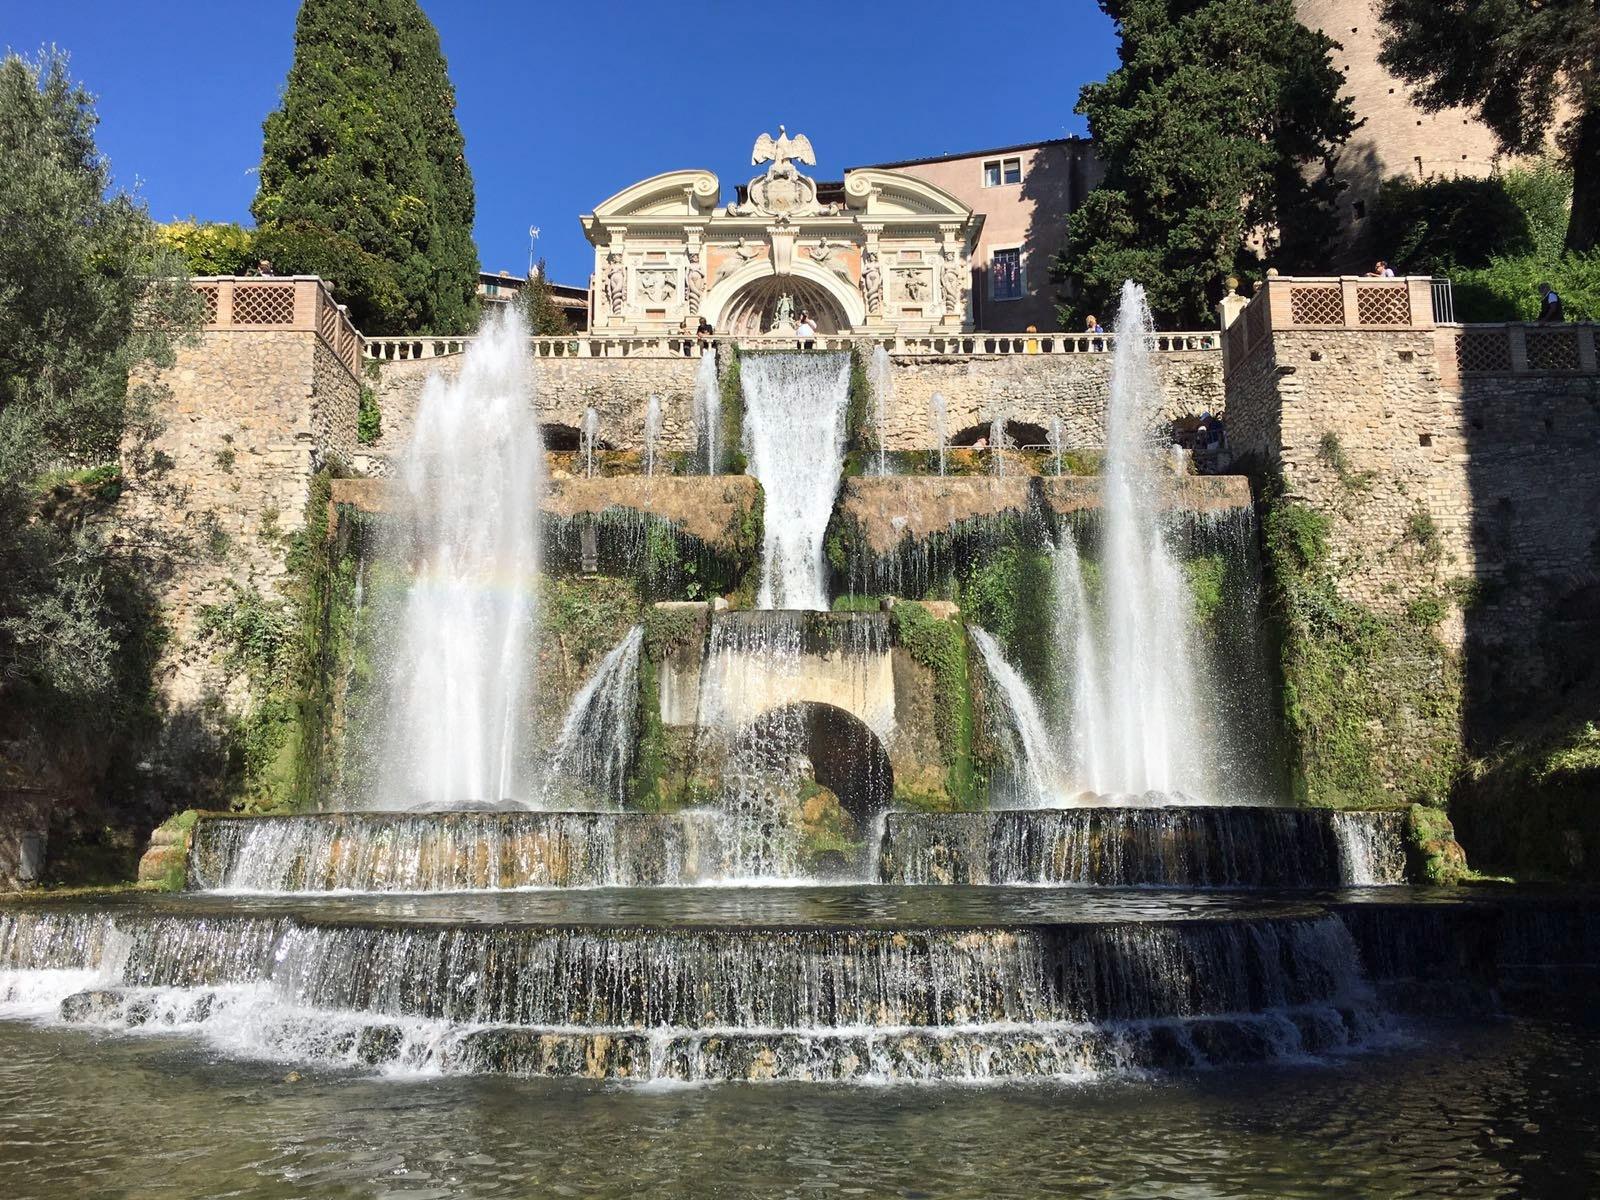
point(1219, 127)
point(91, 304)
point(1438, 225)
point(364, 177)
point(1529, 68)
point(211, 247)
point(540, 311)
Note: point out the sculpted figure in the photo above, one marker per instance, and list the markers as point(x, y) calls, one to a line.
point(917, 283)
point(950, 284)
point(871, 282)
point(694, 282)
point(616, 283)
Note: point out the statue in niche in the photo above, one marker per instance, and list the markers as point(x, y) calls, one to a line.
point(950, 283)
point(783, 315)
point(694, 282)
point(616, 283)
point(871, 283)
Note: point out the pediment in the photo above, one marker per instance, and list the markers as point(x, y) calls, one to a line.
point(674, 194)
point(890, 193)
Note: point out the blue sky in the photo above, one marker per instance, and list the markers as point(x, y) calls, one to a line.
point(564, 104)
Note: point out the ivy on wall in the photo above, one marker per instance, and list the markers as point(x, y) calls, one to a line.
point(1371, 700)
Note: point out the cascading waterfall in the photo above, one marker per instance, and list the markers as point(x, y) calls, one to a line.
point(596, 742)
point(881, 372)
point(459, 681)
point(795, 432)
point(1041, 780)
point(1136, 700)
point(652, 433)
point(708, 408)
point(938, 417)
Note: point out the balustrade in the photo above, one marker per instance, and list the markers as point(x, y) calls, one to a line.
point(287, 304)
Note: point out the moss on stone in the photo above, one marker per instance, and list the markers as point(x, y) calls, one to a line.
point(1432, 853)
point(732, 410)
point(1371, 700)
point(940, 646)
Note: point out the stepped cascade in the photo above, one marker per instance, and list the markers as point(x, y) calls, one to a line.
point(866, 765)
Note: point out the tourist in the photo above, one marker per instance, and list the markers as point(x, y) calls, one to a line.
point(264, 267)
point(806, 332)
point(702, 335)
point(1381, 270)
point(1550, 304)
point(1031, 346)
point(1092, 325)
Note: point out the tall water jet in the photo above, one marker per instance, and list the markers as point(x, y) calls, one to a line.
point(1076, 661)
point(595, 746)
point(468, 524)
point(882, 385)
point(652, 433)
point(938, 416)
point(1055, 442)
point(997, 444)
point(1149, 732)
point(795, 434)
point(708, 407)
point(589, 435)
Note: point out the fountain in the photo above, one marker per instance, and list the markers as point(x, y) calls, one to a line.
point(1019, 886)
point(459, 683)
point(589, 435)
point(997, 445)
point(652, 433)
point(881, 373)
point(708, 408)
point(795, 430)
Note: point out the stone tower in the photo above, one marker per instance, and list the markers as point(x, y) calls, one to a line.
point(1398, 138)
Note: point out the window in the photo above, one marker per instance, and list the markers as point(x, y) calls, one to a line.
point(1002, 170)
point(1005, 274)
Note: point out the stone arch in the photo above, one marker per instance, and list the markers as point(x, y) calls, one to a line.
point(1018, 433)
point(846, 756)
point(833, 295)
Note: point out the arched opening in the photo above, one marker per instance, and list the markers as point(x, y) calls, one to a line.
point(753, 309)
point(567, 439)
point(1018, 434)
point(828, 774)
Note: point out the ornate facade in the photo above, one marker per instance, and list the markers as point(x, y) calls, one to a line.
point(883, 252)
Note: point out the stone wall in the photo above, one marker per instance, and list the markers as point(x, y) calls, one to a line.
point(1459, 526)
point(1029, 388)
point(24, 834)
point(1033, 388)
point(211, 500)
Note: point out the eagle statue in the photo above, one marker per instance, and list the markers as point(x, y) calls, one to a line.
point(781, 151)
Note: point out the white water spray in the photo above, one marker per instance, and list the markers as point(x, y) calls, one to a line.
point(708, 407)
point(795, 434)
point(938, 415)
point(597, 734)
point(1136, 703)
point(470, 482)
point(1042, 780)
point(589, 435)
point(652, 433)
point(882, 376)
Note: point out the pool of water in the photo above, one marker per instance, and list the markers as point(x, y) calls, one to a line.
point(1501, 1108)
point(846, 905)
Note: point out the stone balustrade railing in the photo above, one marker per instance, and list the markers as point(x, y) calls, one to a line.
point(1411, 303)
point(963, 345)
point(280, 304)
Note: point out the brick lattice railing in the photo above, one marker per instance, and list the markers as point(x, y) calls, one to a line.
point(1413, 303)
point(281, 304)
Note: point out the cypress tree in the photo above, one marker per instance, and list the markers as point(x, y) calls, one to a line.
point(364, 176)
point(1217, 131)
point(539, 308)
